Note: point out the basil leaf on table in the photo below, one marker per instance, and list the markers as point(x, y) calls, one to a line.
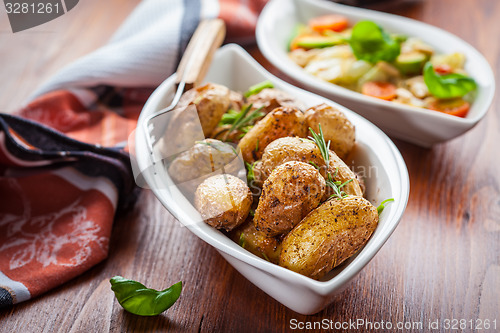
point(448, 85)
point(140, 300)
point(371, 43)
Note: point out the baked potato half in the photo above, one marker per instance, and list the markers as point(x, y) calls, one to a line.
point(211, 102)
point(223, 201)
point(287, 149)
point(205, 157)
point(328, 236)
point(290, 192)
point(335, 126)
point(280, 122)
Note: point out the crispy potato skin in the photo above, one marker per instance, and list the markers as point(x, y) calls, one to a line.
point(278, 123)
point(288, 149)
point(256, 242)
point(291, 191)
point(335, 125)
point(211, 101)
point(270, 99)
point(223, 201)
point(328, 236)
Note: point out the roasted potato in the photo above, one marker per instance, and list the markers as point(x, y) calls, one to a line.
point(336, 128)
point(287, 149)
point(278, 123)
point(223, 201)
point(328, 235)
point(341, 172)
point(251, 239)
point(237, 100)
point(205, 158)
point(290, 192)
point(211, 101)
point(270, 99)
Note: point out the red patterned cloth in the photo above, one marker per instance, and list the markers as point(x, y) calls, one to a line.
point(64, 169)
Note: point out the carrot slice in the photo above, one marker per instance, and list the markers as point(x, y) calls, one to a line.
point(329, 22)
point(379, 89)
point(454, 107)
point(443, 69)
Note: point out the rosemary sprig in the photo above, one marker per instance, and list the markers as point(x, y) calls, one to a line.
point(324, 148)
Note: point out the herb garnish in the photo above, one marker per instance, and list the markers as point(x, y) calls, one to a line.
point(324, 148)
point(371, 43)
point(381, 207)
point(242, 120)
point(448, 85)
point(136, 298)
point(242, 242)
point(250, 173)
point(255, 89)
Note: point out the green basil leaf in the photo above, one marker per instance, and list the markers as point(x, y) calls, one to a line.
point(448, 85)
point(369, 42)
point(140, 300)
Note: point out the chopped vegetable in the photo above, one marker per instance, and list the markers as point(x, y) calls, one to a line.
point(135, 298)
point(329, 22)
point(240, 121)
point(411, 63)
point(381, 207)
point(455, 107)
point(382, 90)
point(250, 173)
point(443, 69)
point(448, 85)
point(297, 31)
point(255, 89)
point(317, 42)
point(371, 43)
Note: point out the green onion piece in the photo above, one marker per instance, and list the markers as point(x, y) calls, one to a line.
point(255, 89)
point(381, 207)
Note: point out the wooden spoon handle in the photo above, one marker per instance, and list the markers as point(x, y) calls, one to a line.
point(198, 55)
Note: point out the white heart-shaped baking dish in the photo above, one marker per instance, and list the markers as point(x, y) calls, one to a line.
point(386, 177)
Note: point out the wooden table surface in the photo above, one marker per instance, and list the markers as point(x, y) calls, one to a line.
point(442, 262)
